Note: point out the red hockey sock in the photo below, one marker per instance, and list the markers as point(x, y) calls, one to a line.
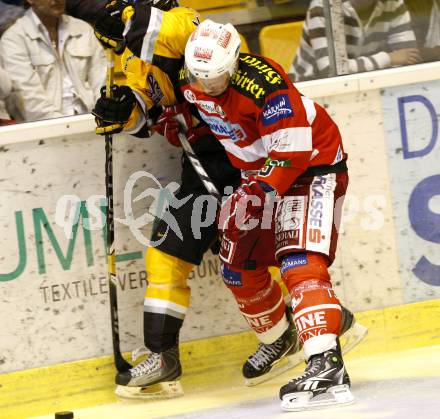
point(260, 300)
point(316, 309)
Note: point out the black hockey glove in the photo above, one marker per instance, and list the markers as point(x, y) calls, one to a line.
point(109, 26)
point(111, 114)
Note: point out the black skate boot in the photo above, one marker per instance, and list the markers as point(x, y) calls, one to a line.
point(270, 360)
point(325, 382)
point(155, 377)
point(261, 367)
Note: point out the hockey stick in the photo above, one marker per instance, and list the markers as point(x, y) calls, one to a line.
point(206, 180)
point(120, 363)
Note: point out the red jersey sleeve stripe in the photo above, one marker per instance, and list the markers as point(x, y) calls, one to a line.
point(309, 106)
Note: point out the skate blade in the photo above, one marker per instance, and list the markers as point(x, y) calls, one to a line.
point(278, 368)
point(352, 337)
point(335, 396)
point(164, 390)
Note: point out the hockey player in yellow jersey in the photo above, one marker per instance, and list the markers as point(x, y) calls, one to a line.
point(150, 84)
point(152, 42)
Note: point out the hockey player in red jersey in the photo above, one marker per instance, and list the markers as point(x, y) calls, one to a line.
point(290, 151)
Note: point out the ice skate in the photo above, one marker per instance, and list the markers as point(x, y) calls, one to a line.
point(156, 377)
point(352, 334)
point(271, 360)
point(324, 383)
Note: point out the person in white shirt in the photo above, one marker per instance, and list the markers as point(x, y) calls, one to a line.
point(55, 62)
point(5, 90)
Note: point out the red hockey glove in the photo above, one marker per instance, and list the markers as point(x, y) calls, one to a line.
point(178, 118)
point(246, 203)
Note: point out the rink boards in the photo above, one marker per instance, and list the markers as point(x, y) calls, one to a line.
point(53, 286)
point(215, 364)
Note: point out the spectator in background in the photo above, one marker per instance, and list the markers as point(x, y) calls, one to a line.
point(5, 90)
point(11, 10)
point(425, 17)
point(9, 13)
point(378, 35)
point(55, 62)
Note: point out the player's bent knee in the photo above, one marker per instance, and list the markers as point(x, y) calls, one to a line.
point(299, 267)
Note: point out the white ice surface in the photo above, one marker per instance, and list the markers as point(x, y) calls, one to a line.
point(403, 385)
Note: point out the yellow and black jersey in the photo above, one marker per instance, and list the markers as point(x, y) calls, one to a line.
point(154, 54)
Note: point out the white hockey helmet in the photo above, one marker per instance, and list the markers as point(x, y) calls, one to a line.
point(211, 56)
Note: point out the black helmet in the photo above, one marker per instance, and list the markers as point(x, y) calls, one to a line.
point(162, 4)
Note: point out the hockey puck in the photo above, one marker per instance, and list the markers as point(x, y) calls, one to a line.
point(64, 415)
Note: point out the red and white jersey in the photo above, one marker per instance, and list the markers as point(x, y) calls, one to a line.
point(265, 124)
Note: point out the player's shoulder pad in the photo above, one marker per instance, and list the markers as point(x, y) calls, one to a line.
point(258, 77)
point(183, 13)
point(176, 27)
